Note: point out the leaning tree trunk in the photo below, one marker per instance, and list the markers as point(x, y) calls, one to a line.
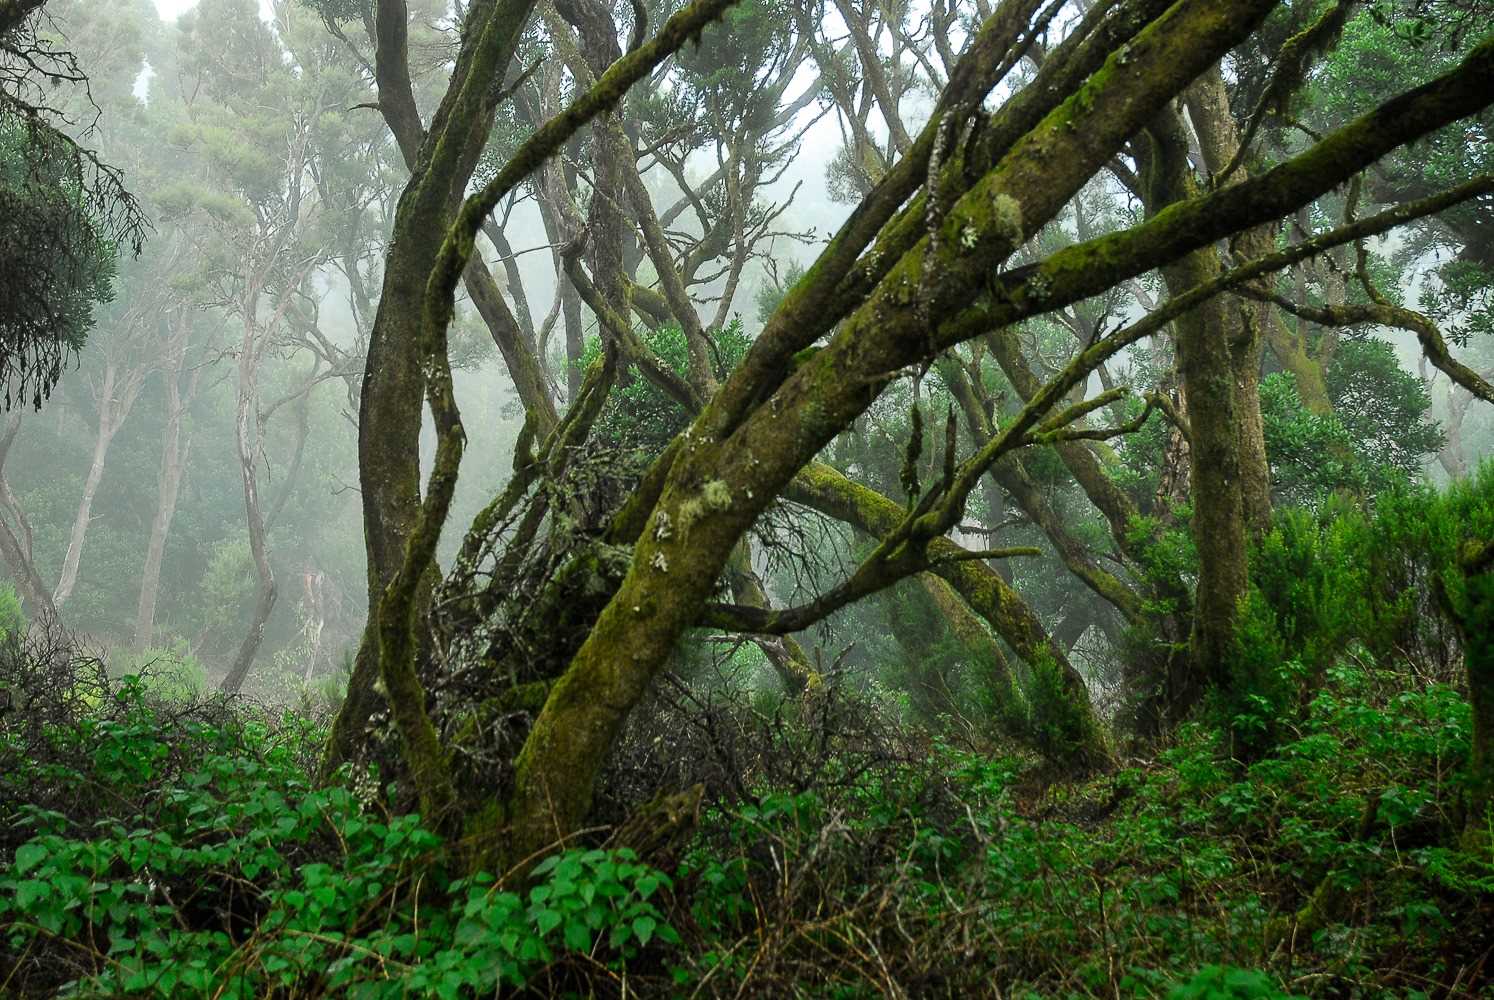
point(1063, 725)
point(742, 454)
point(244, 420)
point(784, 654)
point(174, 452)
point(116, 397)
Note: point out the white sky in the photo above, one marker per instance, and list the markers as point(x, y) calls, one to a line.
point(171, 8)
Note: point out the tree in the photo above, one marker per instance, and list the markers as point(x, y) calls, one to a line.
point(66, 213)
point(915, 271)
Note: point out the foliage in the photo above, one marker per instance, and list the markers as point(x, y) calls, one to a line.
point(1325, 584)
point(965, 873)
point(639, 418)
point(1378, 433)
point(12, 619)
point(832, 828)
point(57, 259)
point(168, 673)
point(217, 866)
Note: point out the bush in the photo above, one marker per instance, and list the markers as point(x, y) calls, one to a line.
point(168, 672)
point(12, 621)
point(180, 849)
point(964, 875)
point(1343, 579)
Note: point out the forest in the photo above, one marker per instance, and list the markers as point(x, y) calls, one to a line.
point(747, 498)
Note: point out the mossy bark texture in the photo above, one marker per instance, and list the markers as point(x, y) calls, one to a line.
point(746, 446)
point(773, 416)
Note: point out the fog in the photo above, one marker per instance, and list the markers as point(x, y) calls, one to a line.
point(270, 181)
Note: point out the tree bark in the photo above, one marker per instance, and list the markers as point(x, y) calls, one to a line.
point(15, 542)
point(174, 452)
point(1209, 381)
point(1470, 604)
point(390, 414)
point(783, 652)
point(1065, 728)
point(1219, 138)
point(116, 397)
point(246, 441)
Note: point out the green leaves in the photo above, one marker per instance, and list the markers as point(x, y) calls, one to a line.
point(28, 856)
point(1222, 982)
point(236, 869)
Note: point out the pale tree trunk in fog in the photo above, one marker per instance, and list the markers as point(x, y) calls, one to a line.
point(15, 534)
point(249, 422)
point(247, 443)
point(314, 606)
point(1454, 460)
point(116, 397)
point(174, 451)
point(784, 653)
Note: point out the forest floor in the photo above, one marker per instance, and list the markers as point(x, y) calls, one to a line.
point(180, 849)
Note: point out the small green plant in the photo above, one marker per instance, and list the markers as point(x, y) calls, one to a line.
point(232, 875)
point(1223, 982)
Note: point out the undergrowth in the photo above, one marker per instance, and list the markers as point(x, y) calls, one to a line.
point(1311, 837)
point(192, 857)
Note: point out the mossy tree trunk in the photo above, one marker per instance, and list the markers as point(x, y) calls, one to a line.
point(1208, 364)
point(1074, 736)
point(441, 161)
point(773, 415)
point(1254, 323)
point(909, 276)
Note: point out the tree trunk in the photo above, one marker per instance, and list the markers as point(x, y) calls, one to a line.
point(1018, 485)
point(245, 417)
point(174, 452)
point(15, 542)
point(1219, 138)
point(1064, 724)
point(1209, 380)
point(1471, 607)
point(783, 652)
point(390, 408)
point(784, 403)
point(116, 397)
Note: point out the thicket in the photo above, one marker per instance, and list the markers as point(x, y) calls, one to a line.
point(162, 845)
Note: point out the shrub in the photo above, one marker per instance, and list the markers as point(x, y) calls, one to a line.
point(180, 849)
point(12, 621)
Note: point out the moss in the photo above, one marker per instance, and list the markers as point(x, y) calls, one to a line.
point(716, 495)
point(1067, 714)
point(1006, 216)
point(689, 512)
